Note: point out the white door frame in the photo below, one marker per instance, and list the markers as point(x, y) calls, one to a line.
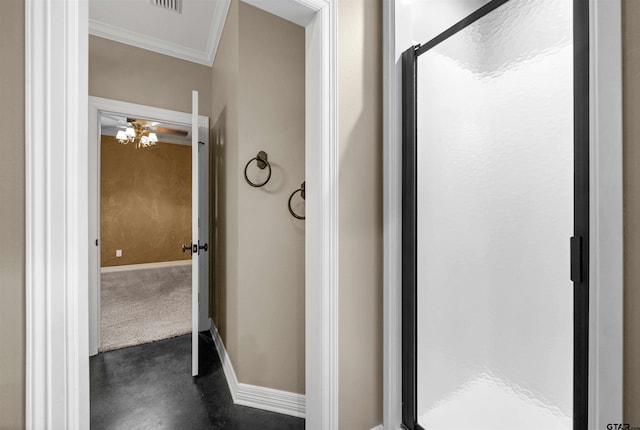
point(606, 258)
point(57, 275)
point(98, 105)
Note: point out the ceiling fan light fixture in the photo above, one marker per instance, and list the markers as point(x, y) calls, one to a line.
point(122, 136)
point(138, 134)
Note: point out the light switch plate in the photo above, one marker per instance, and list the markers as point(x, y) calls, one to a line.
point(118, 252)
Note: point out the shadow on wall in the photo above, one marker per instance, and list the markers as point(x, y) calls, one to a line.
point(360, 217)
point(218, 276)
point(258, 82)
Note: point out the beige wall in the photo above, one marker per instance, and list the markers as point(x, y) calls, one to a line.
point(126, 73)
point(631, 168)
point(260, 71)
point(12, 250)
point(360, 122)
point(271, 112)
point(360, 202)
point(360, 84)
point(224, 139)
point(145, 202)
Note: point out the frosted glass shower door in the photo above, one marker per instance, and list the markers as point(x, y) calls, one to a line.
point(494, 214)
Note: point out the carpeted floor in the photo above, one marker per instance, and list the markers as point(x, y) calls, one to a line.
point(141, 306)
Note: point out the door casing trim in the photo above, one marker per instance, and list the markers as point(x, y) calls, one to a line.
point(56, 118)
point(606, 258)
point(97, 105)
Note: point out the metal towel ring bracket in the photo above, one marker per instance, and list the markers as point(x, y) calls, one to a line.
point(302, 194)
point(261, 162)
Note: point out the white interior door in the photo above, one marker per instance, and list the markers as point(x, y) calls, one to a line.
point(200, 227)
point(195, 247)
point(203, 226)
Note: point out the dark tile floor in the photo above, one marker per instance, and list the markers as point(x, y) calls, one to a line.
point(150, 387)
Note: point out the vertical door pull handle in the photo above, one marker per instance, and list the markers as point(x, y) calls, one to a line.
point(576, 259)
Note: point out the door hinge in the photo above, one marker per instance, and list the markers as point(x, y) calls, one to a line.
point(97, 242)
point(577, 256)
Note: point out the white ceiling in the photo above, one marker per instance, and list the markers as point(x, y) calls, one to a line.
point(191, 35)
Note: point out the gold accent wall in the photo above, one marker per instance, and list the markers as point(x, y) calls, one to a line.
point(145, 202)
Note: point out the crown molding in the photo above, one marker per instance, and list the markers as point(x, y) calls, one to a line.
point(204, 57)
point(217, 25)
point(117, 34)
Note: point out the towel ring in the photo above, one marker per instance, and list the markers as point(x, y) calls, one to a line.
point(302, 194)
point(261, 162)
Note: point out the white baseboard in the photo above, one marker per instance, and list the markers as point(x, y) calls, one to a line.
point(378, 427)
point(145, 266)
point(268, 399)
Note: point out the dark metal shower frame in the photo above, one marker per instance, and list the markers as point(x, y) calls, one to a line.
point(579, 242)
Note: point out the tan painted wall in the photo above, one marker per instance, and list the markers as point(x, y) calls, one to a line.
point(145, 202)
point(224, 139)
point(360, 133)
point(631, 168)
point(126, 73)
point(258, 104)
point(271, 242)
point(360, 246)
point(360, 202)
point(12, 226)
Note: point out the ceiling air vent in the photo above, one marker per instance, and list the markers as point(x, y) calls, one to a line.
point(174, 5)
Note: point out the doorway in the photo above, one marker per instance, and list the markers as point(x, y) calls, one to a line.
point(100, 108)
point(145, 217)
point(496, 220)
point(58, 299)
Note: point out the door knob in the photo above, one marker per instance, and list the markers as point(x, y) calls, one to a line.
point(191, 247)
point(205, 247)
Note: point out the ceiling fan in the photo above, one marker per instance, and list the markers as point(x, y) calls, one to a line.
point(142, 133)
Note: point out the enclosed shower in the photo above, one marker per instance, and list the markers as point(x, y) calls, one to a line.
point(495, 220)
